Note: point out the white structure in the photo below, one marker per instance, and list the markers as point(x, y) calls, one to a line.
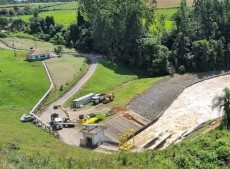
point(93, 135)
point(83, 100)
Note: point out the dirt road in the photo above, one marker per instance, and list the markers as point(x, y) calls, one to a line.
point(45, 115)
point(191, 108)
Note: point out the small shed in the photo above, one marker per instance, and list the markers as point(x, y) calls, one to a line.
point(37, 55)
point(83, 100)
point(93, 135)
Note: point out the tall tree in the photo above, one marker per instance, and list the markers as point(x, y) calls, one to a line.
point(224, 102)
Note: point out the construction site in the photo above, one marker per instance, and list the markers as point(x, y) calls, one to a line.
point(167, 113)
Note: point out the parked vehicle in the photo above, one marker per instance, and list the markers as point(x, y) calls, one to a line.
point(56, 122)
point(26, 118)
point(98, 98)
point(80, 102)
point(109, 98)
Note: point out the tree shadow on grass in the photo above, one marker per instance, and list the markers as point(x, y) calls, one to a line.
point(122, 69)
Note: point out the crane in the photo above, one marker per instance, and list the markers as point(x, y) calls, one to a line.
point(66, 120)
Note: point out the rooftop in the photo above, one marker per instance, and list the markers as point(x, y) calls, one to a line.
point(37, 52)
point(93, 129)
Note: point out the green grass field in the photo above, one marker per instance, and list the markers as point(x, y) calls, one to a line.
point(21, 43)
point(125, 94)
point(167, 12)
point(22, 84)
point(65, 17)
point(65, 71)
point(107, 76)
point(40, 150)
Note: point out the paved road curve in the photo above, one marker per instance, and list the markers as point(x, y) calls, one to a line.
point(45, 115)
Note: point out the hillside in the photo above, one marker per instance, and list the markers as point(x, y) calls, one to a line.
point(209, 150)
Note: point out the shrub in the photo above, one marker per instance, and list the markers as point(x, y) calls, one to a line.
point(223, 153)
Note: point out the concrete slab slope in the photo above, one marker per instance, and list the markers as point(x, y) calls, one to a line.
point(191, 108)
point(153, 102)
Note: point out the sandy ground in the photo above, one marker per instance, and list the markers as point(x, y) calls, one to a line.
point(191, 108)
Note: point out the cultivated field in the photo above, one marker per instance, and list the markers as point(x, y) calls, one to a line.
point(65, 71)
point(26, 44)
point(171, 3)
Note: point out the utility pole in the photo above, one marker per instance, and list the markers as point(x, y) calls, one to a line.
point(15, 54)
point(35, 42)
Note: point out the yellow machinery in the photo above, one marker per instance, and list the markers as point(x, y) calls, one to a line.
point(109, 98)
point(124, 144)
point(92, 120)
point(59, 106)
point(81, 119)
point(65, 119)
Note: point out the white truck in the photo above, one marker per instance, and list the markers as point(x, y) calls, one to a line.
point(98, 98)
point(56, 122)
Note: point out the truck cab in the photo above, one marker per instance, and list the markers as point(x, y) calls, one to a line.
point(98, 98)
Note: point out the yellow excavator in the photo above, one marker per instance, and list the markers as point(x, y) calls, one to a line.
point(109, 98)
point(65, 119)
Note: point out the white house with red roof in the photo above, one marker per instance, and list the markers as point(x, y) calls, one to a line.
point(38, 55)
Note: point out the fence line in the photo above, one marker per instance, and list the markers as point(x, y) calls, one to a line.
point(32, 112)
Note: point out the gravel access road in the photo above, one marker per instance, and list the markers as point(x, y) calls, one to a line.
point(45, 114)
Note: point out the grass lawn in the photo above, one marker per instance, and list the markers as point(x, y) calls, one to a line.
point(65, 71)
point(22, 84)
point(40, 150)
point(125, 94)
point(61, 16)
point(21, 43)
point(107, 76)
point(167, 12)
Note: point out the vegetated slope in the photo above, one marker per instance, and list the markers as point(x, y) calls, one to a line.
point(107, 76)
point(161, 94)
point(21, 83)
point(41, 150)
point(126, 93)
point(65, 71)
point(26, 44)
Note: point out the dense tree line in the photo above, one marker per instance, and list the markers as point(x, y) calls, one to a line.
point(200, 41)
point(3, 2)
point(119, 29)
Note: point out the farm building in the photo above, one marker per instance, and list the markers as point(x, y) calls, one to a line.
point(38, 55)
